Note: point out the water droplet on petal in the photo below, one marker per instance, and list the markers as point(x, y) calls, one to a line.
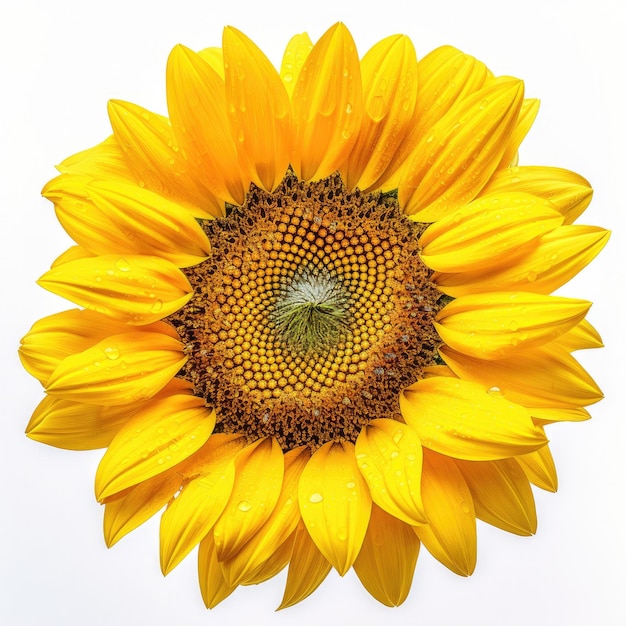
point(157, 305)
point(122, 265)
point(244, 506)
point(397, 436)
point(350, 485)
point(495, 391)
point(112, 352)
point(315, 498)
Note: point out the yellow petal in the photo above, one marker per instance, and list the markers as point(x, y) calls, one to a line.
point(581, 337)
point(389, 455)
point(259, 470)
point(387, 559)
point(136, 289)
point(446, 76)
point(548, 415)
point(118, 370)
point(259, 110)
point(197, 106)
point(295, 55)
point(488, 231)
point(462, 419)
point(132, 507)
point(113, 217)
point(543, 377)
point(63, 334)
point(307, 569)
point(75, 425)
point(450, 535)
point(327, 105)
point(453, 162)
point(496, 325)
point(389, 71)
point(215, 58)
point(570, 193)
point(71, 254)
point(275, 563)
point(154, 156)
point(548, 264)
point(196, 509)
point(279, 526)
point(539, 468)
point(151, 224)
point(166, 431)
point(527, 115)
point(502, 495)
point(105, 161)
point(213, 585)
point(139, 504)
point(335, 503)
point(85, 223)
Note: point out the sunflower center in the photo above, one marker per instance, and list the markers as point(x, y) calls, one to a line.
point(312, 313)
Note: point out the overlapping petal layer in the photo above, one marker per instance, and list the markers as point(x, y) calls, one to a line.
point(464, 420)
point(134, 288)
point(335, 503)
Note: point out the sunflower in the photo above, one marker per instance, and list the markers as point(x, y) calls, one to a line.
point(316, 323)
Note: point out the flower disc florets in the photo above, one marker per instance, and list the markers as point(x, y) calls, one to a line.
point(312, 313)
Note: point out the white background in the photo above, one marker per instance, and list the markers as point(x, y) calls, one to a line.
point(61, 61)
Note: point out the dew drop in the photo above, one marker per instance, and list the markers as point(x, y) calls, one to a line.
point(348, 108)
point(394, 455)
point(112, 352)
point(122, 265)
point(465, 507)
point(350, 485)
point(244, 506)
point(157, 305)
point(495, 391)
point(316, 498)
point(531, 276)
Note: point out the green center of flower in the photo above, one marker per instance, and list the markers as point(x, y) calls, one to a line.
point(312, 313)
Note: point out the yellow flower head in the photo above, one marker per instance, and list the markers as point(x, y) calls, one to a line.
point(316, 320)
